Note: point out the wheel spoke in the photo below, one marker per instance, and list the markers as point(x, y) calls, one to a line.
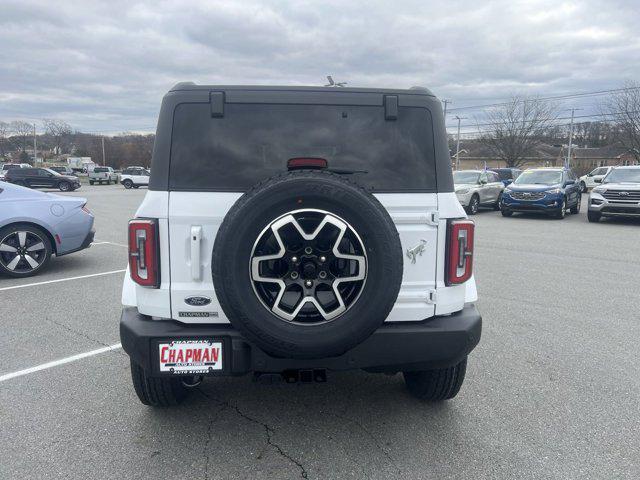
point(309, 291)
point(13, 263)
point(7, 248)
point(31, 261)
point(22, 238)
point(34, 248)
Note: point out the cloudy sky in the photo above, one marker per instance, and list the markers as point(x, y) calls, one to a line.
point(104, 66)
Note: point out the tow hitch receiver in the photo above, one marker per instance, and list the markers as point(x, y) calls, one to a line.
point(317, 375)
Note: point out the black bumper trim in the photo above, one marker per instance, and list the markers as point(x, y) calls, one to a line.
point(434, 343)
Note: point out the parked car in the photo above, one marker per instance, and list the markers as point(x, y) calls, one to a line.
point(42, 178)
point(475, 188)
point(592, 178)
point(63, 170)
point(36, 225)
point(103, 175)
point(507, 175)
point(9, 166)
point(552, 191)
point(134, 177)
point(290, 262)
point(617, 196)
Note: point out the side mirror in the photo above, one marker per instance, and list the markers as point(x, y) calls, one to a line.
point(589, 174)
point(483, 182)
point(597, 180)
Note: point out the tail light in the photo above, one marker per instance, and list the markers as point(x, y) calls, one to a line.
point(306, 162)
point(459, 251)
point(144, 258)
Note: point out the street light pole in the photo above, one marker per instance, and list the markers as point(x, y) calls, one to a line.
point(458, 144)
point(35, 145)
point(103, 159)
point(573, 111)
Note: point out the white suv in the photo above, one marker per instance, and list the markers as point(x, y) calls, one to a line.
point(593, 178)
point(295, 231)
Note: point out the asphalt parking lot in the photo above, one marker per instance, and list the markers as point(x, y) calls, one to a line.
point(551, 392)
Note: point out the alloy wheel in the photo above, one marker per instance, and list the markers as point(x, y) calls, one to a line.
point(308, 267)
point(22, 252)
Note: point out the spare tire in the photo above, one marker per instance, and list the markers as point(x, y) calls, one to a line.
point(307, 264)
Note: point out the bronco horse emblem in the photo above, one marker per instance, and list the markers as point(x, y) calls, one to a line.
point(416, 251)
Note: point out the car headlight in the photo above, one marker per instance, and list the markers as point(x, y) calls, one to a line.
point(599, 190)
point(463, 190)
point(553, 191)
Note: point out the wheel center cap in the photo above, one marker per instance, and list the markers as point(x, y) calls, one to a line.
point(309, 270)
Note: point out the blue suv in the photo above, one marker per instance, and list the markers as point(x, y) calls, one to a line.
point(552, 191)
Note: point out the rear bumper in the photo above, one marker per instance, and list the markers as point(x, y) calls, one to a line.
point(434, 343)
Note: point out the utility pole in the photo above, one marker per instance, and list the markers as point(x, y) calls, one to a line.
point(103, 159)
point(445, 101)
point(573, 111)
point(458, 143)
point(35, 145)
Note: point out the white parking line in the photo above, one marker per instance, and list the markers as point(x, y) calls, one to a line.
point(110, 243)
point(62, 361)
point(62, 280)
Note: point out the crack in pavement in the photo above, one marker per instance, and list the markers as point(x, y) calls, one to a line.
point(369, 434)
point(269, 431)
point(208, 442)
point(77, 332)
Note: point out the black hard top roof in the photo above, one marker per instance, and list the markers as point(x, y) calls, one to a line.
point(189, 86)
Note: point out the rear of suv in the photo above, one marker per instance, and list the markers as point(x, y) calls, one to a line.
point(292, 231)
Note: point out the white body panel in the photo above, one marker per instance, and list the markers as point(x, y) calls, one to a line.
point(189, 222)
point(596, 174)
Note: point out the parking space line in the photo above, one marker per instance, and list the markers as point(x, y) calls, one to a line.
point(62, 361)
point(110, 243)
point(62, 280)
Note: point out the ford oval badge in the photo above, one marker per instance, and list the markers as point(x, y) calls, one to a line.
point(197, 301)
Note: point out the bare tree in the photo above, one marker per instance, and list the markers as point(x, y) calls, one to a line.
point(21, 134)
point(4, 136)
point(623, 108)
point(514, 128)
point(58, 130)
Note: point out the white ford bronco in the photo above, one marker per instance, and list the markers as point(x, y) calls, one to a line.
point(294, 231)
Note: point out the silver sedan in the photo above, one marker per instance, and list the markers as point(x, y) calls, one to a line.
point(36, 225)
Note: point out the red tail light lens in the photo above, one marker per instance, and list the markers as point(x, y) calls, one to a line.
point(459, 251)
point(311, 162)
point(144, 252)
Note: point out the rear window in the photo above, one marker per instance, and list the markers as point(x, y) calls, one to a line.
point(254, 141)
point(100, 170)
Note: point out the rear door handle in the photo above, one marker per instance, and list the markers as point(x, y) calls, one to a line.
point(196, 237)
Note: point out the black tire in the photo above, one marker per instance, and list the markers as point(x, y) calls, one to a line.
point(562, 211)
point(91, 182)
point(593, 217)
point(437, 384)
point(474, 204)
point(496, 206)
point(64, 187)
point(505, 212)
point(157, 391)
point(23, 268)
point(108, 182)
point(576, 208)
point(247, 221)
point(126, 183)
point(583, 187)
point(136, 186)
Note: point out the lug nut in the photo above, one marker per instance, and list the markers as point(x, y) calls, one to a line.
point(308, 250)
point(294, 259)
point(322, 274)
point(323, 259)
point(294, 275)
point(308, 283)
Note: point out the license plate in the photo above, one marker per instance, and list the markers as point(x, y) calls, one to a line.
point(190, 356)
